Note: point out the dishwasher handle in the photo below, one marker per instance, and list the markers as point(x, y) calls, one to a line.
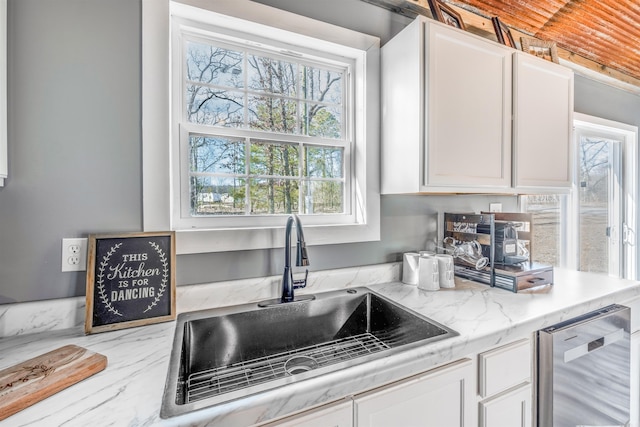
point(584, 349)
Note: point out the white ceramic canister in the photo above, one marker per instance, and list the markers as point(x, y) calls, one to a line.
point(428, 276)
point(446, 271)
point(410, 266)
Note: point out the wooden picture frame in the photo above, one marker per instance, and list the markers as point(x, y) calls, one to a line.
point(446, 14)
point(130, 280)
point(503, 33)
point(540, 48)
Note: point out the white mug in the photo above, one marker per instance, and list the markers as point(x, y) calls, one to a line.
point(428, 276)
point(410, 266)
point(445, 269)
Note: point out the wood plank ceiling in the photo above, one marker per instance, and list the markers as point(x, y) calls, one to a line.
point(604, 31)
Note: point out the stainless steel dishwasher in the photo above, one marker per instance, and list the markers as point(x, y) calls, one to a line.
point(583, 370)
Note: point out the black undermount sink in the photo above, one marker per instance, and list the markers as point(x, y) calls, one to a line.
point(228, 353)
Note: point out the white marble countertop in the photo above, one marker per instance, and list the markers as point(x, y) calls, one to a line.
point(129, 391)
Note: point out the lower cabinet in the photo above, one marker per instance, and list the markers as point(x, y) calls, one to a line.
point(492, 389)
point(333, 415)
point(504, 385)
point(441, 397)
point(511, 408)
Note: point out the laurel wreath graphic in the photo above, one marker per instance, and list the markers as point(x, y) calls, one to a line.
point(165, 275)
point(101, 290)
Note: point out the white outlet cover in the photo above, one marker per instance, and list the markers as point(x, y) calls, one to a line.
point(72, 261)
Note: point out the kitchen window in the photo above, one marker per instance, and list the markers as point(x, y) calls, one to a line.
point(593, 228)
point(263, 131)
point(268, 114)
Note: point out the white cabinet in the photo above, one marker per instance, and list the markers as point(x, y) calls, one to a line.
point(495, 391)
point(504, 384)
point(504, 367)
point(446, 111)
point(512, 409)
point(441, 397)
point(333, 415)
point(468, 99)
point(543, 123)
point(448, 98)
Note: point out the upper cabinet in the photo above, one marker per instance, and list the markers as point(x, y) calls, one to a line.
point(543, 124)
point(448, 98)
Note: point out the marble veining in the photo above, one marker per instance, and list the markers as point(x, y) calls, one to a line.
point(50, 315)
point(129, 391)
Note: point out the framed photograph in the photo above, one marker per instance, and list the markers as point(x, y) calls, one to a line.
point(540, 48)
point(130, 280)
point(445, 13)
point(503, 33)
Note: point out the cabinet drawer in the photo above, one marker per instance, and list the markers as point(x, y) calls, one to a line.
point(504, 367)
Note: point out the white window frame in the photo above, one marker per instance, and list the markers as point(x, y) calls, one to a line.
point(628, 135)
point(568, 239)
point(182, 30)
point(158, 195)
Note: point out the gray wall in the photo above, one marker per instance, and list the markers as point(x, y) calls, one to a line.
point(75, 147)
point(73, 136)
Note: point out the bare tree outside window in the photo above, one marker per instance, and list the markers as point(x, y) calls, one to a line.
point(595, 194)
point(229, 88)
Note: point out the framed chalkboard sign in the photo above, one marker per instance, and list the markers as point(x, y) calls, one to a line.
point(130, 280)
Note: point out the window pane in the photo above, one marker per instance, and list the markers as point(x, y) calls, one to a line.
point(545, 210)
point(322, 85)
point(322, 120)
point(273, 159)
point(324, 197)
point(324, 162)
point(209, 106)
point(216, 155)
point(217, 196)
point(595, 183)
point(274, 196)
point(273, 114)
point(272, 76)
point(214, 65)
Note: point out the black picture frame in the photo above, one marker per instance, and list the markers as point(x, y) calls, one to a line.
point(446, 14)
point(130, 280)
point(503, 33)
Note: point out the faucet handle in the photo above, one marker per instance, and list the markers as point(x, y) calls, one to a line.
point(301, 283)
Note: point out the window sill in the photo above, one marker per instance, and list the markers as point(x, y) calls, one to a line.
point(224, 240)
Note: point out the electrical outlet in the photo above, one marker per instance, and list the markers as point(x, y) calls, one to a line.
point(74, 254)
point(495, 207)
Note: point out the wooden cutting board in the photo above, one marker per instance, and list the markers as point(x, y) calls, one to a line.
point(29, 382)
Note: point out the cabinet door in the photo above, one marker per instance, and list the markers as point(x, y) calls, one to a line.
point(442, 397)
point(512, 408)
point(543, 123)
point(336, 415)
point(469, 101)
point(504, 367)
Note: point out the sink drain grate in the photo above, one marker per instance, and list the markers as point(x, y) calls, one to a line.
point(213, 382)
